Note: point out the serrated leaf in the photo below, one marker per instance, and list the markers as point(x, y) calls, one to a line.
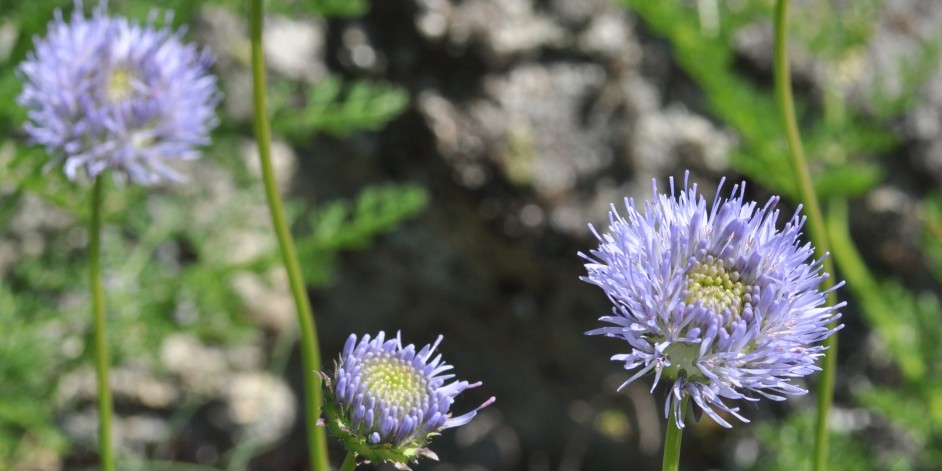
point(341, 110)
point(344, 225)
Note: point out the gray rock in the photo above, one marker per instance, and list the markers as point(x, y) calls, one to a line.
point(268, 299)
point(675, 138)
point(294, 47)
point(534, 115)
point(357, 52)
point(134, 385)
point(202, 370)
point(262, 405)
point(503, 28)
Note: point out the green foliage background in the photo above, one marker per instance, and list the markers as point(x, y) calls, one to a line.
point(43, 305)
point(166, 269)
point(843, 143)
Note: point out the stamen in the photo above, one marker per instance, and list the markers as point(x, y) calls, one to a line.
point(717, 287)
point(396, 382)
point(119, 87)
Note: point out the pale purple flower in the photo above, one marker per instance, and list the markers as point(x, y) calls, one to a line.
point(716, 300)
point(106, 93)
point(387, 400)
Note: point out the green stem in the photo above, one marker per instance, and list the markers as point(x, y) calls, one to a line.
point(105, 406)
point(350, 462)
point(672, 440)
point(310, 351)
point(783, 88)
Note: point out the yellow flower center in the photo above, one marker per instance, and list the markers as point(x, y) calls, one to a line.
point(119, 86)
point(393, 380)
point(716, 287)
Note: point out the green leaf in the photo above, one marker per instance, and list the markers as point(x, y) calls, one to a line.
point(338, 8)
point(338, 109)
point(345, 225)
point(890, 309)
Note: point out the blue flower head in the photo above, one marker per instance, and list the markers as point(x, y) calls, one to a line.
point(387, 401)
point(716, 300)
point(105, 93)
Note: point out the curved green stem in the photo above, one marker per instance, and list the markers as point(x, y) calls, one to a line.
point(350, 462)
point(672, 440)
point(783, 89)
point(105, 406)
point(310, 351)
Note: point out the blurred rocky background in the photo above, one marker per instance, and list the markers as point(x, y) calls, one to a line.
point(497, 129)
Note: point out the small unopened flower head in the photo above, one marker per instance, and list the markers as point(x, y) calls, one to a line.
point(386, 400)
point(716, 300)
point(105, 93)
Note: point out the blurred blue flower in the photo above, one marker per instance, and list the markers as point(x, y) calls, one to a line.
point(104, 93)
point(716, 300)
point(386, 401)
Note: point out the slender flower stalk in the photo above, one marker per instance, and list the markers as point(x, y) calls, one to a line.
point(105, 445)
point(350, 462)
point(310, 351)
point(672, 439)
point(819, 236)
point(105, 93)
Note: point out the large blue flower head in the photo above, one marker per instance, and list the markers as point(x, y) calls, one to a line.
point(104, 93)
point(387, 401)
point(716, 299)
